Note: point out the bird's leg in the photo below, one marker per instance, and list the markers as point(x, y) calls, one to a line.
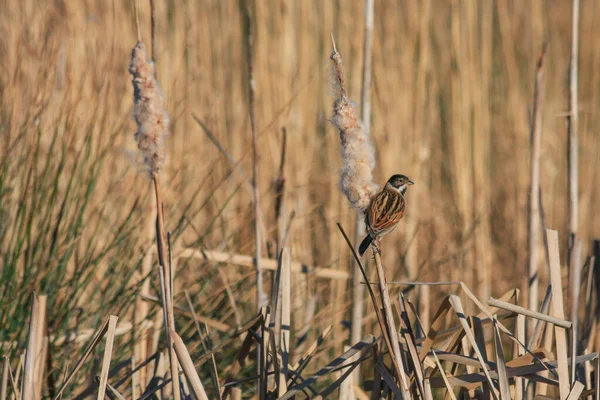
point(376, 246)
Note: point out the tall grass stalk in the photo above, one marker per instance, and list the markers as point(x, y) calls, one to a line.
point(573, 124)
point(358, 292)
point(534, 186)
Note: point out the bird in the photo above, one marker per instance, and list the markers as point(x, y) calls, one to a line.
point(385, 210)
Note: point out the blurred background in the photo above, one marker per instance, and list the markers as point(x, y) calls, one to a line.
point(452, 97)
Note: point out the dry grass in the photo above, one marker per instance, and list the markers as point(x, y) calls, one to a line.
point(452, 108)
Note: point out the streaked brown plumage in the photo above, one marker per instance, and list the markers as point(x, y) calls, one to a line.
point(385, 210)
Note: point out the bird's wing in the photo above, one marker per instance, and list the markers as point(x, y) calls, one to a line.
point(385, 211)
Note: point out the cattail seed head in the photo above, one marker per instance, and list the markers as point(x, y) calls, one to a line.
point(149, 110)
point(358, 153)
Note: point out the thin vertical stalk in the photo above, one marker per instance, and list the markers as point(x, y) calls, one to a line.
point(574, 291)
point(358, 290)
point(27, 388)
point(141, 306)
point(110, 337)
point(260, 294)
point(153, 33)
point(284, 339)
point(188, 367)
point(391, 326)
point(4, 381)
point(572, 121)
point(280, 210)
point(534, 184)
point(557, 310)
point(166, 272)
point(137, 21)
point(41, 350)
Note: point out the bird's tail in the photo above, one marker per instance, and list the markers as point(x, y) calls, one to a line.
point(365, 245)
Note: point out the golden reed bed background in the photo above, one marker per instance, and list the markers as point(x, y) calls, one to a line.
point(452, 94)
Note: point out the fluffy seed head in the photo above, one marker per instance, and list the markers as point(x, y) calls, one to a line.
point(149, 110)
point(358, 155)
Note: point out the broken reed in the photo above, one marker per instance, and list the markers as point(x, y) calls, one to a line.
point(460, 359)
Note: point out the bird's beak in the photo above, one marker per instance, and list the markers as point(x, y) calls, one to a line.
point(411, 182)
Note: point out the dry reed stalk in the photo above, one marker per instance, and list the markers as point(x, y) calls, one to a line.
point(284, 339)
point(275, 324)
point(573, 300)
point(558, 312)
point(518, 351)
point(188, 367)
point(424, 308)
point(236, 393)
point(462, 98)
point(542, 388)
point(455, 302)
point(166, 286)
point(573, 126)
point(220, 326)
point(16, 394)
point(534, 185)
point(407, 333)
point(142, 344)
point(597, 378)
point(308, 354)
point(88, 350)
point(280, 209)
point(28, 388)
point(263, 352)
point(4, 381)
point(230, 296)
point(450, 392)
point(41, 346)
point(346, 388)
point(86, 334)
point(110, 337)
point(535, 338)
point(482, 16)
point(576, 391)
point(134, 379)
point(391, 326)
point(358, 291)
point(169, 321)
point(153, 33)
point(20, 370)
point(261, 298)
point(587, 370)
point(532, 314)
point(501, 364)
point(115, 393)
point(267, 263)
point(213, 365)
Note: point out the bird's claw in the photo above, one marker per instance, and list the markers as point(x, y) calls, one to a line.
point(376, 247)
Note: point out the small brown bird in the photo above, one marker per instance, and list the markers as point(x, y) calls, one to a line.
point(385, 210)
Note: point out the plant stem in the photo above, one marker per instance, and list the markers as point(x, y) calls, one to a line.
point(260, 295)
point(358, 290)
point(534, 198)
point(168, 297)
point(389, 317)
point(572, 120)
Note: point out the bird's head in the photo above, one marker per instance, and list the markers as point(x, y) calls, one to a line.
point(400, 183)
